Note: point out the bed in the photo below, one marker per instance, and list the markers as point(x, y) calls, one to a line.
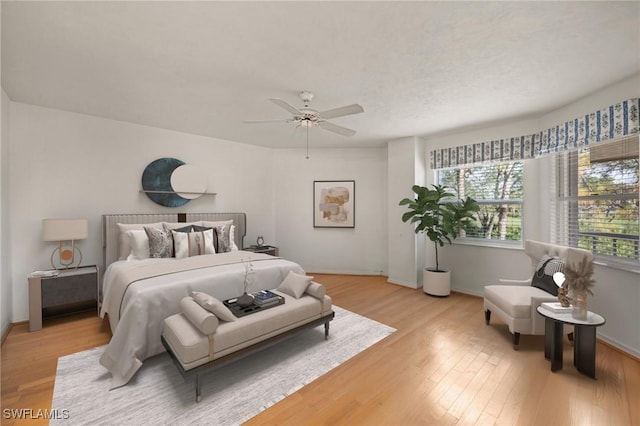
point(138, 292)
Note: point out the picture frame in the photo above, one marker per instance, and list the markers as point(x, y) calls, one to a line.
point(334, 203)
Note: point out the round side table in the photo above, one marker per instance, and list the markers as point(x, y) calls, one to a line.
point(584, 343)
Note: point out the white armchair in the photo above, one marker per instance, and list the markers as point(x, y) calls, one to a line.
point(515, 301)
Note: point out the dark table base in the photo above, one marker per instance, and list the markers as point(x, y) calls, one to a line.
point(584, 346)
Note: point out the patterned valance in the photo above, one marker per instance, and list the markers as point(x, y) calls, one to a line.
point(612, 122)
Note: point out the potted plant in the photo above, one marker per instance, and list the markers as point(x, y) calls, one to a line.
point(440, 216)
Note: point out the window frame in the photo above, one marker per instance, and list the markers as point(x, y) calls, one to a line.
point(491, 242)
point(565, 208)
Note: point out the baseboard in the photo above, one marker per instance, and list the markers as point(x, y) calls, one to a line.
point(467, 291)
point(5, 333)
point(354, 273)
point(604, 339)
point(403, 283)
point(618, 346)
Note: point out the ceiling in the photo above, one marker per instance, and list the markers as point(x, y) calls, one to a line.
point(417, 68)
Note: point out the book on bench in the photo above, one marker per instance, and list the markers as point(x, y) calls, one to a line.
point(266, 298)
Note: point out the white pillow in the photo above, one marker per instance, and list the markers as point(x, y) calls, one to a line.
point(124, 245)
point(232, 238)
point(295, 284)
point(193, 243)
point(139, 243)
point(213, 305)
point(204, 320)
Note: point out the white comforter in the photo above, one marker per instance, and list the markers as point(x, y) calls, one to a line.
point(137, 310)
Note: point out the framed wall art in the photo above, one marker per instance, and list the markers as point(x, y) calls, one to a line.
point(334, 203)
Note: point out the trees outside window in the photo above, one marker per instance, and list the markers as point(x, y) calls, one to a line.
point(498, 189)
point(597, 194)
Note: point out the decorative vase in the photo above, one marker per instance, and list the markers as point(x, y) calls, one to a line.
point(579, 309)
point(244, 300)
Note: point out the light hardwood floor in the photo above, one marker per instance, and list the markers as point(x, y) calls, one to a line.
point(442, 366)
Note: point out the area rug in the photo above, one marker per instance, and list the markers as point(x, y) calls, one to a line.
point(158, 394)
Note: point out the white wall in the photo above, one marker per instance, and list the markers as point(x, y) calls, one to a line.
point(406, 253)
point(617, 292)
point(361, 250)
point(72, 165)
point(6, 308)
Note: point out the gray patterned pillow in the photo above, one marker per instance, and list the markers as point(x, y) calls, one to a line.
point(224, 240)
point(160, 242)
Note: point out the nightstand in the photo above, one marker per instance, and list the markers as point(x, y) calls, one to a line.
point(72, 290)
point(273, 251)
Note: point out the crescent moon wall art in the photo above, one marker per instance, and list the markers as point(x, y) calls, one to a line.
point(172, 183)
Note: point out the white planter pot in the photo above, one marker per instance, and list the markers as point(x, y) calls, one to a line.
point(436, 283)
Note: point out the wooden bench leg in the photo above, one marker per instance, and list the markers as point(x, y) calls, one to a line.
point(487, 316)
point(326, 330)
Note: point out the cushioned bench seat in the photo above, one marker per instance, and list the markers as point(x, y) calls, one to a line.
point(192, 347)
point(195, 352)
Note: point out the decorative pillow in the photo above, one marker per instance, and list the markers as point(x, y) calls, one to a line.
point(198, 228)
point(231, 230)
point(187, 229)
point(160, 242)
point(193, 243)
point(224, 241)
point(124, 245)
point(213, 305)
point(232, 238)
point(317, 290)
point(543, 277)
point(139, 243)
point(295, 284)
point(204, 320)
point(179, 225)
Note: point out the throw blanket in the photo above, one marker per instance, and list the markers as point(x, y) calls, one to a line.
point(138, 296)
point(122, 278)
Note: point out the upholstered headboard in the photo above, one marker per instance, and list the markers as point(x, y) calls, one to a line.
point(110, 230)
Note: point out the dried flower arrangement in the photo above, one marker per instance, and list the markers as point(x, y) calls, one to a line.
point(579, 280)
point(248, 274)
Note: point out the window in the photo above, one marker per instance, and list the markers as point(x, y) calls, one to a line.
point(596, 201)
point(498, 189)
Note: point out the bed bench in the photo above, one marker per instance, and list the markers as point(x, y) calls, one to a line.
point(198, 342)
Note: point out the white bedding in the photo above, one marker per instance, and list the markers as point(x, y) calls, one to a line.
point(136, 311)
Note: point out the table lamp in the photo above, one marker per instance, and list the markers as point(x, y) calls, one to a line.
point(65, 232)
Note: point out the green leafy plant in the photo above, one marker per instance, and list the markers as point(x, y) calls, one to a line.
point(438, 214)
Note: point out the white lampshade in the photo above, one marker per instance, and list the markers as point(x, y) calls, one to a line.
point(64, 229)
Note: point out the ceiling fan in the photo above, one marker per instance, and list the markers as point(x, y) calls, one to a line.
point(309, 117)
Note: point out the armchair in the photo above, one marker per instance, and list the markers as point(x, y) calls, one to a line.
point(515, 301)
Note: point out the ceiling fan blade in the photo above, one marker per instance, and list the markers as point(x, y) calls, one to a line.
point(336, 129)
point(284, 104)
point(342, 111)
point(265, 121)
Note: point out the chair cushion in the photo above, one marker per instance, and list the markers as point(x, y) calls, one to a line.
point(515, 300)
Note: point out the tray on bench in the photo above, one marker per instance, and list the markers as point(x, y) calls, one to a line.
point(240, 311)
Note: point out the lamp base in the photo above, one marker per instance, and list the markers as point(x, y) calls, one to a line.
point(66, 258)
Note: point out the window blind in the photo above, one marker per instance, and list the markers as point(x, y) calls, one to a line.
point(498, 189)
point(595, 200)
